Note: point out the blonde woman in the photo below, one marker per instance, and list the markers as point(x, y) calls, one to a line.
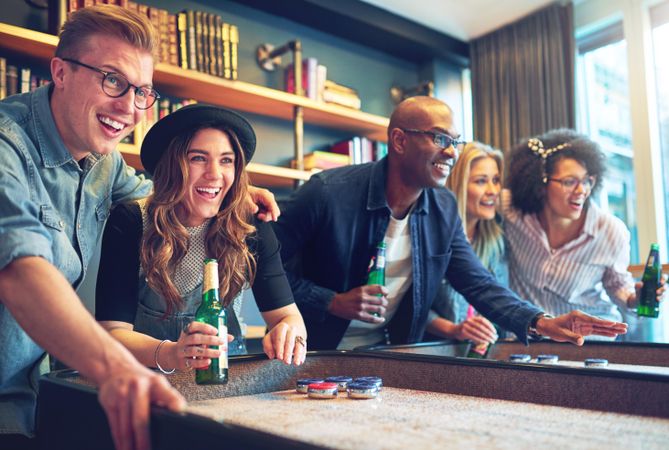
point(150, 280)
point(476, 181)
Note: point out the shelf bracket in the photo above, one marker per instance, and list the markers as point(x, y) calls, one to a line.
point(269, 58)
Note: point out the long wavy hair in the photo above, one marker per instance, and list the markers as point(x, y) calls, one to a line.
point(488, 241)
point(166, 240)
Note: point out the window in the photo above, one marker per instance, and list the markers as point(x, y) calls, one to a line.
point(604, 115)
point(660, 25)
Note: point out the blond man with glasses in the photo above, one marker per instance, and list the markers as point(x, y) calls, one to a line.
point(59, 176)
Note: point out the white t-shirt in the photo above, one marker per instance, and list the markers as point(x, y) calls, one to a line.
point(398, 280)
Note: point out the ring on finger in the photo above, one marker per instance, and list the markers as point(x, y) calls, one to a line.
point(299, 340)
point(186, 328)
point(188, 364)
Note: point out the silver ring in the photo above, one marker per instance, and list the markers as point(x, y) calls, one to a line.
point(188, 366)
point(186, 328)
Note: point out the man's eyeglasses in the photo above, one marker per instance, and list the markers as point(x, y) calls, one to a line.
point(441, 140)
point(569, 184)
point(116, 85)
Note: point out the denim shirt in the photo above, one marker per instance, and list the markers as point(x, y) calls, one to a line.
point(53, 207)
point(329, 231)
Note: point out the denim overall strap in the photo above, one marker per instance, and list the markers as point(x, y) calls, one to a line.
point(151, 317)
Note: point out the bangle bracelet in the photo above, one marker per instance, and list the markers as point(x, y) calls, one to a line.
point(155, 358)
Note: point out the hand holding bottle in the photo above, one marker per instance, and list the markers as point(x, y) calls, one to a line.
point(361, 303)
point(477, 329)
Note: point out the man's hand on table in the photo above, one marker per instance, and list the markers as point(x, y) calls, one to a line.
point(576, 325)
point(126, 396)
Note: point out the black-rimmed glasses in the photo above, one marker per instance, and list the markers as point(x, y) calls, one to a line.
point(116, 85)
point(569, 184)
point(441, 140)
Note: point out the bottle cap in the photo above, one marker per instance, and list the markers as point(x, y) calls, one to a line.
point(322, 390)
point(342, 382)
point(378, 381)
point(302, 384)
point(362, 390)
point(596, 362)
point(520, 357)
point(548, 359)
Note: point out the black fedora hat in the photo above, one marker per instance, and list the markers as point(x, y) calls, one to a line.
point(194, 116)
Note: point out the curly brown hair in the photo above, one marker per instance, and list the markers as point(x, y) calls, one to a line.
point(165, 240)
point(526, 171)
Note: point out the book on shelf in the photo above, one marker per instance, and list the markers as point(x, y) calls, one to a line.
point(24, 81)
point(12, 80)
point(234, 42)
point(309, 78)
point(172, 37)
point(191, 39)
point(324, 160)
point(340, 99)
point(360, 149)
point(218, 45)
point(321, 77)
point(3, 78)
point(225, 41)
point(211, 44)
point(341, 95)
point(182, 39)
point(199, 52)
point(332, 86)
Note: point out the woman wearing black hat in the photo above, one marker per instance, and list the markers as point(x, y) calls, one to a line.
point(150, 277)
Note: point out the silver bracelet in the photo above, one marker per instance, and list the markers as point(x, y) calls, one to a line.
point(155, 358)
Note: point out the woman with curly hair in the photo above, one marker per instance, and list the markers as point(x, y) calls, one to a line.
point(150, 278)
point(564, 252)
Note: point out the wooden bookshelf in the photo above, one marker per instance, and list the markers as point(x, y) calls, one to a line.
point(233, 94)
point(261, 174)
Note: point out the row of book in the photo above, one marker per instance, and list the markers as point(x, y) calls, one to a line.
point(17, 79)
point(160, 109)
point(190, 39)
point(356, 150)
point(317, 87)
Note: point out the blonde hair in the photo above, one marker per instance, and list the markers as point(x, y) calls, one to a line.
point(166, 240)
point(488, 243)
point(108, 21)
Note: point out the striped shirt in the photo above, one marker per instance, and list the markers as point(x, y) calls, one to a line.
point(588, 273)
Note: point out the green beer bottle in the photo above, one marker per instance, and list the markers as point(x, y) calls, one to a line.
point(212, 312)
point(377, 269)
point(648, 304)
point(479, 351)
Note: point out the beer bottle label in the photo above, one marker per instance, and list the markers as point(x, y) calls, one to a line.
point(223, 358)
point(651, 260)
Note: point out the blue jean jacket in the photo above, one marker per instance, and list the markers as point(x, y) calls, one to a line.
point(53, 207)
point(331, 227)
